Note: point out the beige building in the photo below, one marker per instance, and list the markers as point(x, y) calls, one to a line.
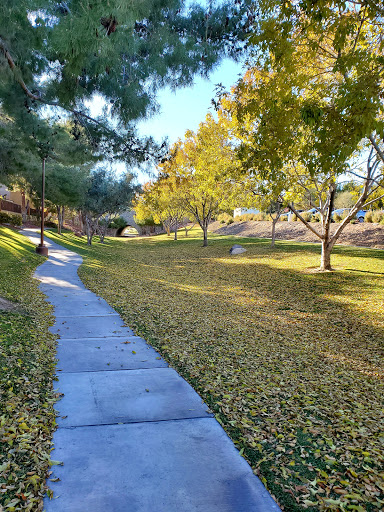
point(15, 202)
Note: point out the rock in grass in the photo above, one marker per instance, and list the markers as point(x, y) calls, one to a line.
point(236, 249)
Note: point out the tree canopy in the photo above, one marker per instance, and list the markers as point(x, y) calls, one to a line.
point(63, 54)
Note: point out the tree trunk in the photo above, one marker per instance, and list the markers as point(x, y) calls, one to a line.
point(205, 233)
point(58, 209)
point(326, 250)
point(89, 229)
point(176, 226)
point(274, 222)
point(23, 207)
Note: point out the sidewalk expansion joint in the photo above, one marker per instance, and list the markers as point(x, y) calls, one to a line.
point(112, 370)
point(208, 416)
point(88, 316)
point(94, 337)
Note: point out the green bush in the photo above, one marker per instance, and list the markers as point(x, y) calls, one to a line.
point(224, 218)
point(337, 217)
point(6, 218)
point(368, 216)
point(50, 224)
point(345, 214)
point(377, 216)
point(307, 216)
point(117, 223)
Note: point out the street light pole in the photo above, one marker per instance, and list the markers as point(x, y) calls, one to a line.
point(42, 249)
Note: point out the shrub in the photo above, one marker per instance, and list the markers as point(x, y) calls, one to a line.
point(117, 223)
point(377, 217)
point(6, 218)
point(284, 218)
point(337, 217)
point(368, 216)
point(259, 216)
point(317, 217)
point(239, 218)
point(354, 221)
point(248, 217)
point(222, 218)
point(225, 218)
point(307, 216)
point(345, 214)
point(294, 218)
point(50, 224)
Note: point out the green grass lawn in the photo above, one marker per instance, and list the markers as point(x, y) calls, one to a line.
point(289, 359)
point(27, 350)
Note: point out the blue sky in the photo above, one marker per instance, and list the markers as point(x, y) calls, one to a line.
point(186, 108)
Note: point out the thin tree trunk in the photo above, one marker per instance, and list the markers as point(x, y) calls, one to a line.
point(58, 209)
point(176, 226)
point(326, 250)
point(205, 234)
point(23, 207)
point(274, 222)
point(89, 229)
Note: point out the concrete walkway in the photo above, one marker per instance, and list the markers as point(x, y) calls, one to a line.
point(133, 435)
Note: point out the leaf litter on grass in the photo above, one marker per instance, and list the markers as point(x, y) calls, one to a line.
point(290, 361)
point(27, 361)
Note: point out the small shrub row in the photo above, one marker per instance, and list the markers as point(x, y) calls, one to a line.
point(307, 216)
point(316, 217)
point(247, 217)
point(374, 216)
point(225, 218)
point(243, 218)
point(6, 218)
point(50, 224)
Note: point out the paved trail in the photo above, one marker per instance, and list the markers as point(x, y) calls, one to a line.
point(133, 435)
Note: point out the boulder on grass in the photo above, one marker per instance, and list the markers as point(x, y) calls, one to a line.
point(236, 249)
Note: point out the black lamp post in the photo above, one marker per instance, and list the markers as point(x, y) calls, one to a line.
point(42, 249)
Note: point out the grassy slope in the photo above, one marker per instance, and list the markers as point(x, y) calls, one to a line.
point(289, 359)
point(26, 366)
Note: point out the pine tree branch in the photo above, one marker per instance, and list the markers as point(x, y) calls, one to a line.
point(38, 97)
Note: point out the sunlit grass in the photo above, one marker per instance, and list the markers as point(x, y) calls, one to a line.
point(27, 351)
point(291, 360)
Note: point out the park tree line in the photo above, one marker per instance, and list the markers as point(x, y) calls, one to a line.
point(58, 58)
point(308, 108)
point(307, 113)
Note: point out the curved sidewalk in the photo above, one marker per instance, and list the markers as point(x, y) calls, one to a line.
point(133, 436)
